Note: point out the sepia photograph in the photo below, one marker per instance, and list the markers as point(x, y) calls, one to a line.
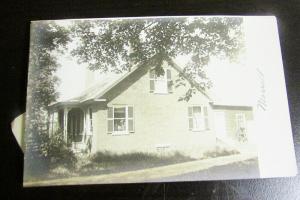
point(155, 99)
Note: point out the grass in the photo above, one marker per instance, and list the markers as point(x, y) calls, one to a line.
point(220, 151)
point(107, 162)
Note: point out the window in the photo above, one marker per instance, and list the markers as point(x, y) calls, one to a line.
point(198, 118)
point(161, 84)
point(240, 121)
point(120, 119)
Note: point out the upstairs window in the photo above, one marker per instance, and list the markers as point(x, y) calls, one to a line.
point(198, 118)
point(161, 84)
point(120, 120)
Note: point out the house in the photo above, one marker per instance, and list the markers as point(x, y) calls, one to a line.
point(140, 112)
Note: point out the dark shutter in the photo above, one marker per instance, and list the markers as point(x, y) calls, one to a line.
point(170, 86)
point(91, 119)
point(130, 112)
point(110, 124)
point(152, 86)
point(169, 74)
point(170, 82)
point(190, 117)
point(130, 119)
point(151, 78)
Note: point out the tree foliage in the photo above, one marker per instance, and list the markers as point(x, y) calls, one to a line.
point(116, 45)
point(46, 38)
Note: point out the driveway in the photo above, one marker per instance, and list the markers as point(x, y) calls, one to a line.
point(239, 170)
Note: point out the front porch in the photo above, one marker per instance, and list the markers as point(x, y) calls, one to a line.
point(75, 123)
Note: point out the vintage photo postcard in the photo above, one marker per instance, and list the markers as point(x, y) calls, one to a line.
point(156, 99)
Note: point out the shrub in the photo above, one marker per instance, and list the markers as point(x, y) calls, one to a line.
point(106, 162)
point(57, 152)
point(220, 151)
point(60, 172)
point(108, 157)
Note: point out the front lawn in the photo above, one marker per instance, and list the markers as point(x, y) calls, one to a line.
point(107, 162)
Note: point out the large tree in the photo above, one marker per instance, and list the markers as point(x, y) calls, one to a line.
point(118, 44)
point(46, 40)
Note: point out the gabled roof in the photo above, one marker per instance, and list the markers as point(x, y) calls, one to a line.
point(98, 90)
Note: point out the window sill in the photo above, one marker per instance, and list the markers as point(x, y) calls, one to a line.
point(120, 133)
point(197, 131)
point(162, 93)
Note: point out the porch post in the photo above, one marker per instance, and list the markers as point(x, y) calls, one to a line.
point(66, 110)
point(51, 123)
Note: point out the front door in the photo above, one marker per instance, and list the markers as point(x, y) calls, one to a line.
point(76, 128)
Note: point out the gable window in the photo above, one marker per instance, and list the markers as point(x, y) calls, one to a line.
point(120, 119)
point(160, 84)
point(198, 118)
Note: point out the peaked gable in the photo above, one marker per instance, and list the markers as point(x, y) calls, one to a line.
point(101, 90)
point(135, 74)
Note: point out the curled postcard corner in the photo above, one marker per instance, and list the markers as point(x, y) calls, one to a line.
point(18, 129)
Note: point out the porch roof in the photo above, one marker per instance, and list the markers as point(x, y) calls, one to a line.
point(95, 92)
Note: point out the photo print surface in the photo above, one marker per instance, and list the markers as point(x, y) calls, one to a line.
point(156, 99)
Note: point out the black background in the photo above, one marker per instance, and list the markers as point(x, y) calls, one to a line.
point(14, 40)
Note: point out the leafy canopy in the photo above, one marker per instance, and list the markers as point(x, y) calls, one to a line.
point(118, 44)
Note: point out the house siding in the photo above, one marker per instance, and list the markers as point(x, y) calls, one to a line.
point(159, 119)
point(230, 119)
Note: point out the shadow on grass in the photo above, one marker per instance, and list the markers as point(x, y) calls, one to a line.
point(107, 162)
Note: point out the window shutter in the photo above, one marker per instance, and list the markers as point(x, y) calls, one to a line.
point(169, 74)
point(205, 112)
point(190, 117)
point(169, 79)
point(130, 112)
point(152, 86)
point(130, 119)
point(152, 73)
point(170, 86)
point(152, 77)
point(110, 124)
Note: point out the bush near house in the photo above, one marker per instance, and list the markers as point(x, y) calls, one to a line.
point(220, 151)
point(58, 153)
point(50, 157)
